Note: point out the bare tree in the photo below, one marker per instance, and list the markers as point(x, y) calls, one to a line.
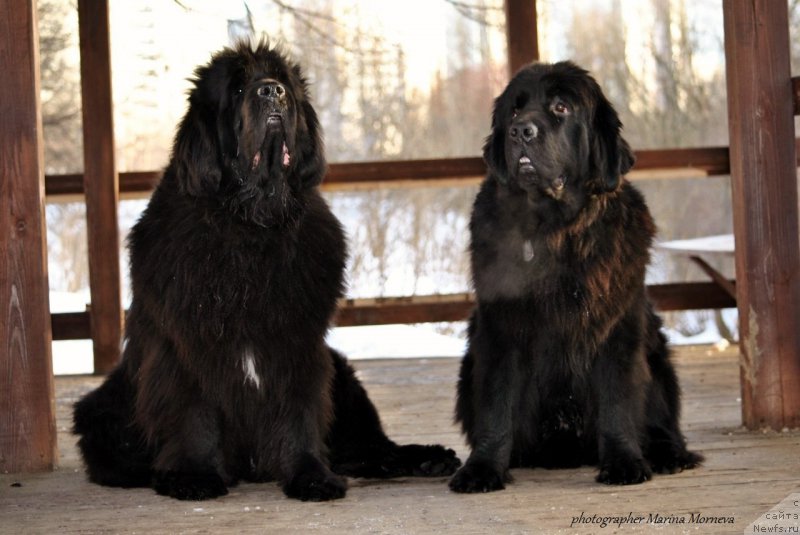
point(673, 104)
point(794, 34)
point(63, 141)
point(60, 88)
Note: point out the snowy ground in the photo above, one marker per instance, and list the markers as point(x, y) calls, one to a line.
point(375, 341)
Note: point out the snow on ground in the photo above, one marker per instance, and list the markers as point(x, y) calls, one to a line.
point(368, 342)
point(394, 341)
point(72, 357)
point(707, 331)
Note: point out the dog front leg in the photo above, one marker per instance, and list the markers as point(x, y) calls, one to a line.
point(619, 379)
point(492, 390)
point(305, 421)
point(189, 464)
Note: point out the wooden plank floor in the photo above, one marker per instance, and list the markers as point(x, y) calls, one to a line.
point(745, 475)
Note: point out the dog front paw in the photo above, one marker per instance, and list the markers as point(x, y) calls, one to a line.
point(316, 487)
point(313, 482)
point(189, 485)
point(624, 471)
point(478, 477)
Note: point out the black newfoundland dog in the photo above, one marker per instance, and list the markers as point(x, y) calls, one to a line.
point(236, 267)
point(566, 364)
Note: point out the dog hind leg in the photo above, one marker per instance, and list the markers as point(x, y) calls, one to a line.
point(665, 446)
point(113, 447)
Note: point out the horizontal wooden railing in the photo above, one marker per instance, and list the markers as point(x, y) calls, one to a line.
point(457, 307)
point(704, 161)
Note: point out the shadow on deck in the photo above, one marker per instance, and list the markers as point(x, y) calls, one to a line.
point(745, 474)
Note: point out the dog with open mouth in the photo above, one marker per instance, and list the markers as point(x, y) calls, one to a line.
point(566, 363)
point(236, 266)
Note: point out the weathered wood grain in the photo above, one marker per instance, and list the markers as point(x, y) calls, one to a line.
point(27, 420)
point(765, 214)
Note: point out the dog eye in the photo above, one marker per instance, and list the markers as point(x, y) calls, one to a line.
point(514, 113)
point(560, 108)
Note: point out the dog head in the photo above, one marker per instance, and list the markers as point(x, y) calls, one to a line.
point(556, 136)
point(250, 135)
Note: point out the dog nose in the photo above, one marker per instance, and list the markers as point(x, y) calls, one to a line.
point(524, 130)
point(271, 90)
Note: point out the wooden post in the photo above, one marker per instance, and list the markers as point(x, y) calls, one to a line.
point(101, 184)
point(765, 215)
point(521, 33)
point(27, 407)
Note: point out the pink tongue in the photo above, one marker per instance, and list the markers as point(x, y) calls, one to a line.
point(286, 156)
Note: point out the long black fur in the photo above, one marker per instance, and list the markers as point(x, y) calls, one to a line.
point(236, 267)
point(566, 363)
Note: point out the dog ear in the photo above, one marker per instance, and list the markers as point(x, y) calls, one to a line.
point(228, 126)
point(494, 148)
point(206, 136)
point(611, 155)
point(311, 164)
point(195, 152)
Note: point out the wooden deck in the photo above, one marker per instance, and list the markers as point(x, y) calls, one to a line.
point(744, 476)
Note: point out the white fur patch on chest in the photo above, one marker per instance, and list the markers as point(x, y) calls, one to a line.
point(249, 368)
point(527, 251)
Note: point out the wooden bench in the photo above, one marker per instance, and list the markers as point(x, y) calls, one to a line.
point(696, 248)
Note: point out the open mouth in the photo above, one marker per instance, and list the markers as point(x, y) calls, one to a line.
point(274, 133)
point(286, 157)
point(541, 179)
point(525, 165)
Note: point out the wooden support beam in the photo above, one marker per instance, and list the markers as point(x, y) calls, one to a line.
point(27, 406)
point(689, 296)
point(709, 160)
point(71, 326)
point(101, 185)
point(457, 307)
point(521, 34)
point(765, 215)
point(412, 309)
point(404, 170)
point(728, 285)
point(129, 182)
